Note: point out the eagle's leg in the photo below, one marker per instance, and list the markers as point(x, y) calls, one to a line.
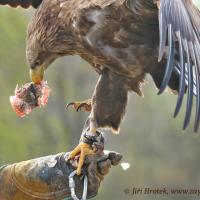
point(91, 142)
point(83, 149)
point(108, 107)
point(77, 105)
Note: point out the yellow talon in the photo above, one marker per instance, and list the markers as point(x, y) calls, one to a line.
point(77, 105)
point(84, 149)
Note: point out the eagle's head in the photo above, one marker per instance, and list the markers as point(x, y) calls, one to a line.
point(38, 60)
point(47, 39)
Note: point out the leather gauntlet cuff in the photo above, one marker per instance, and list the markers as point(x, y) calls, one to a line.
point(44, 178)
point(47, 178)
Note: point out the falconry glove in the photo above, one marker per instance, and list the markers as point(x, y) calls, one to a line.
point(47, 178)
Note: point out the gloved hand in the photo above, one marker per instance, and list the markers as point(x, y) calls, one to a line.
point(46, 178)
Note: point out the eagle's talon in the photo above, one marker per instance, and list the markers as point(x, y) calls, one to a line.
point(77, 105)
point(83, 149)
point(69, 104)
point(84, 105)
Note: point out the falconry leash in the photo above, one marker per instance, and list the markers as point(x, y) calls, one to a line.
point(72, 186)
point(96, 141)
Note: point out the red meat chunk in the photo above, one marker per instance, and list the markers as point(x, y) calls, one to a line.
point(28, 97)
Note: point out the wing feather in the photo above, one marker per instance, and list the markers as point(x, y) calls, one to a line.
point(180, 20)
point(170, 61)
point(22, 3)
point(182, 85)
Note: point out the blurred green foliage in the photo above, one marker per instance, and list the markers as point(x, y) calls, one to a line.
point(160, 154)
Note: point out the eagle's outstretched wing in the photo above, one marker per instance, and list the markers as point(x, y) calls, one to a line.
point(22, 3)
point(179, 22)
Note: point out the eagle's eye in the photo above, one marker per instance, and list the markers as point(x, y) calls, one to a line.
point(35, 64)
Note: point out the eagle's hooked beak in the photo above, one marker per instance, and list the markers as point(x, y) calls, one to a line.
point(37, 74)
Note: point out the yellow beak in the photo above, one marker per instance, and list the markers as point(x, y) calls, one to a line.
point(37, 75)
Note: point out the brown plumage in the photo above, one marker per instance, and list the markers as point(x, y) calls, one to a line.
point(120, 39)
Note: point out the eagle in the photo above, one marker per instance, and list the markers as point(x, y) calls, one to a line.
point(123, 40)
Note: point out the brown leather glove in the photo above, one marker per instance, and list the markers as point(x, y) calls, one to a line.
point(46, 178)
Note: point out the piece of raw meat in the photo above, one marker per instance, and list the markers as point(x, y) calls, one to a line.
point(28, 97)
